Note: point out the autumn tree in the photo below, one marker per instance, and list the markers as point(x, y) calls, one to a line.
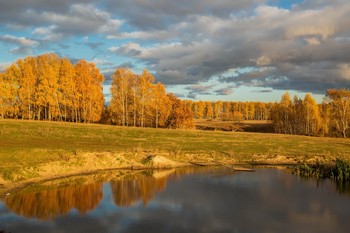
point(281, 115)
point(9, 95)
point(89, 89)
point(218, 109)
point(200, 109)
point(67, 92)
point(46, 88)
point(225, 111)
point(209, 111)
point(137, 101)
point(297, 116)
point(260, 111)
point(339, 101)
point(325, 114)
point(134, 91)
point(161, 105)
point(120, 94)
point(311, 115)
point(146, 80)
point(27, 72)
point(180, 116)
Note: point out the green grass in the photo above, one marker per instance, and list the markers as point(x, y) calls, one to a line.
point(30, 143)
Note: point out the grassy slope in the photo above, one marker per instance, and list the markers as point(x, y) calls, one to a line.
point(30, 144)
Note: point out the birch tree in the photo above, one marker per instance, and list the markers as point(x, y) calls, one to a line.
point(339, 101)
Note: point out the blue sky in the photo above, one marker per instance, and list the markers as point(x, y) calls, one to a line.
point(243, 50)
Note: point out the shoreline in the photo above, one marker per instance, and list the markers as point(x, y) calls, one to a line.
point(150, 162)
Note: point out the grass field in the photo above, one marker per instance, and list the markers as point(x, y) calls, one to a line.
point(29, 145)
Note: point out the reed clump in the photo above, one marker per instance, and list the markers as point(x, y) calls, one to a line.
point(339, 171)
point(342, 170)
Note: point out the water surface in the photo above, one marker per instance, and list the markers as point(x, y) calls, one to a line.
point(184, 200)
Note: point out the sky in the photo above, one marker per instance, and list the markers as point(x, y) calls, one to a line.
point(242, 50)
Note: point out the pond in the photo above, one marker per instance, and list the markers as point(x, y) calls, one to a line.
point(183, 200)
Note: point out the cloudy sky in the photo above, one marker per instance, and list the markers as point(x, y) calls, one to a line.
point(201, 49)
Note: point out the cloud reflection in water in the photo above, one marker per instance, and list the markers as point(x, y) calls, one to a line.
point(268, 200)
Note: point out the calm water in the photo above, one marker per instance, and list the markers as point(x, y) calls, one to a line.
point(202, 200)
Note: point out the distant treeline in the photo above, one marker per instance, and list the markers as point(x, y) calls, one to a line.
point(230, 111)
point(47, 87)
point(289, 116)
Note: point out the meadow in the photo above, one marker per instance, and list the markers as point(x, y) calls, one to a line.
point(26, 147)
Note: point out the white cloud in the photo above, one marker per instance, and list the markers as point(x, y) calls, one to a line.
point(155, 35)
point(21, 50)
point(23, 44)
point(41, 30)
point(344, 71)
point(80, 19)
point(48, 33)
point(101, 62)
point(22, 41)
point(129, 49)
point(263, 61)
point(224, 91)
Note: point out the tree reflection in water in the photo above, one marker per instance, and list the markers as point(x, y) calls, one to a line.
point(138, 188)
point(48, 204)
point(127, 189)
